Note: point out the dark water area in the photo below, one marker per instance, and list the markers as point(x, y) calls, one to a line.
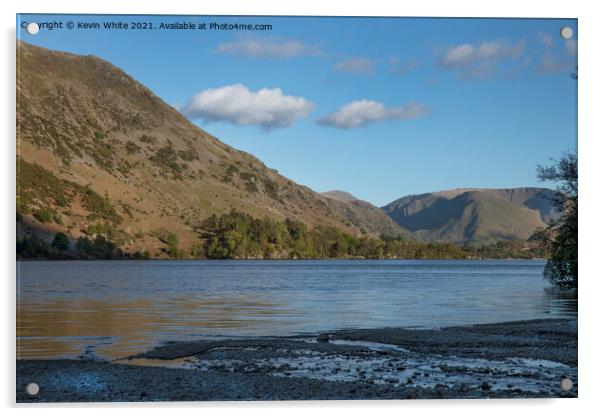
point(112, 309)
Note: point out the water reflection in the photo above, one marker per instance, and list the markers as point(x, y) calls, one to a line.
point(114, 309)
point(116, 329)
point(562, 300)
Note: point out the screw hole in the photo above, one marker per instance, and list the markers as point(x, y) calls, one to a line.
point(33, 28)
point(566, 32)
point(32, 389)
point(566, 384)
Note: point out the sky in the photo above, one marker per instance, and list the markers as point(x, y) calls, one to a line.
point(378, 107)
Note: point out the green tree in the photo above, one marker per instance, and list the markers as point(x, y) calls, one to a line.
point(34, 247)
point(99, 248)
point(561, 268)
point(60, 241)
point(172, 246)
point(85, 244)
point(172, 240)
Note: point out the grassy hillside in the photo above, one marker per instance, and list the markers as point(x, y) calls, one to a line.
point(369, 212)
point(89, 131)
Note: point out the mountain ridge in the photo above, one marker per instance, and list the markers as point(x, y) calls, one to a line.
point(474, 215)
point(341, 196)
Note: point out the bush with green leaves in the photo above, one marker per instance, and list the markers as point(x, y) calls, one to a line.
point(43, 215)
point(60, 242)
point(34, 247)
point(561, 269)
point(99, 247)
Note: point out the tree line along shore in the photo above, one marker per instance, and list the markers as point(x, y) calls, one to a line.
point(237, 235)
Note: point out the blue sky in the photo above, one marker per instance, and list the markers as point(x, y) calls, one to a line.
point(381, 107)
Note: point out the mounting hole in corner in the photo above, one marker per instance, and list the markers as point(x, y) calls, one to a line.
point(32, 28)
point(32, 389)
point(566, 32)
point(566, 384)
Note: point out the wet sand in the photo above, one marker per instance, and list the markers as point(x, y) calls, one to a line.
point(505, 360)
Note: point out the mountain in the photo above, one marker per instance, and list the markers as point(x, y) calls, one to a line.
point(475, 216)
point(369, 212)
point(99, 152)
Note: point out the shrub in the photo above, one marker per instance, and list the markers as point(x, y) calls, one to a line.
point(58, 218)
point(99, 206)
point(132, 148)
point(271, 188)
point(167, 159)
point(100, 247)
point(43, 215)
point(60, 242)
point(188, 155)
point(147, 139)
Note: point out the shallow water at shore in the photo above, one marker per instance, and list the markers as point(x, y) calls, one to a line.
point(514, 359)
point(398, 367)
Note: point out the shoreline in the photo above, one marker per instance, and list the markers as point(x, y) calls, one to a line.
point(291, 259)
point(517, 359)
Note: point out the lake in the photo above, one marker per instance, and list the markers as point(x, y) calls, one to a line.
point(112, 309)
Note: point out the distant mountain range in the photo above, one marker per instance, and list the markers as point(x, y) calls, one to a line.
point(476, 216)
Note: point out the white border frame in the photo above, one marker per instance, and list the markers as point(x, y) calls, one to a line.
point(590, 24)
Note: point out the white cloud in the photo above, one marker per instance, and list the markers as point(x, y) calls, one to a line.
point(362, 112)
point(546, 39)
point(550, 61)
point(236, 104)
point(401, 68)
point(271, 47)
point(479, 60)
point(363, 66)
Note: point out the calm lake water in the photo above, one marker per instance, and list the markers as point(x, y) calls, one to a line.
point(115, 308)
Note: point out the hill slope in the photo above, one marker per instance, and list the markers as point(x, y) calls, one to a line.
point(369, 212)
point(475, 216)
point(99, 152)
point(340, 195)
